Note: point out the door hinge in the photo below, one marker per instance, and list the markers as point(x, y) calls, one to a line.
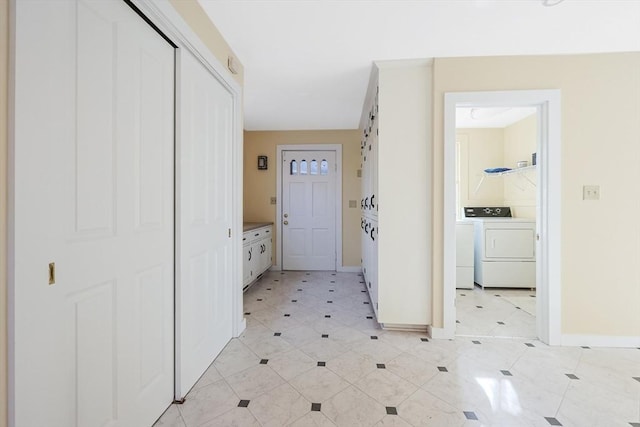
point(229, 232)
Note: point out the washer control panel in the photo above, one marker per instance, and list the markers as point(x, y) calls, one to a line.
point(487, 212)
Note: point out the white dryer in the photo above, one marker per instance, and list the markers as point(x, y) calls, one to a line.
point(504, 248)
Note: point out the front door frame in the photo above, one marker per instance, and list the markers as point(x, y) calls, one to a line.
point(278, 222)
point(548, 265)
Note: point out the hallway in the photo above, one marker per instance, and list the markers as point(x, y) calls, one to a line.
point(312, 355)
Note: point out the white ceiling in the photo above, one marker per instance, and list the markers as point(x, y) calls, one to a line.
point(307, 62)
point(476, 118)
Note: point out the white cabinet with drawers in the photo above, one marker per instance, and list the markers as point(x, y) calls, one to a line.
point(256, 246)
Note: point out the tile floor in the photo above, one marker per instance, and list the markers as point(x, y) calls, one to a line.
point(508, 313)
point(312, 355)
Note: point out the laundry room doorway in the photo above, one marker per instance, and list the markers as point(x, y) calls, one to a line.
point(496, 197)
point(512, 219)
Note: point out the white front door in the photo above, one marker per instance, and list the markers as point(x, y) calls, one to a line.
point(93, 193)
point(205, 288)
point(308, 210)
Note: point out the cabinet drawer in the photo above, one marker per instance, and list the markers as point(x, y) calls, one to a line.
point(257, 234)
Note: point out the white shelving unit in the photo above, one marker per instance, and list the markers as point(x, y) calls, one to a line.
point(520, 172)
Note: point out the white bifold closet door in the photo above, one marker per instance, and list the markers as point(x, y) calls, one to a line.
point(92, 193)
point(204, 289)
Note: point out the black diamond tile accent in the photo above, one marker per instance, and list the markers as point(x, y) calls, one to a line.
point(304, 281)
point(287, 315)
point(325, 335)
point(442, 369)
point(333, 281)
point(308, 274)
point(268, 289)
point(585, 347)
point(294, 300)
point(463, 295)
point(552, 421)
point(365, 302)
point(478, 306)
point(424, 339)
point(330, 290)
point(322, 363)
point(637, 378)
point(500, 323)
point(316, 406)
point(259, 299)
point(532, 296)
point(361, 282)
point(277, 334)
point(363, 291)
point(506, 373)
point(243, 404)
point(572, 376)
point(470, 415)
point(327, 316)
point(329, 302)
point(373, 337)
point(247, 313)
point(528, 344)
point(457, 321)
point(518, 308)
point(381, 366)
point(497, 295)
point(391, 410)
point(264, 361)
point(276, 280)
point(282, 273)
point(369, 317)
point(476, 342)
point(299, 290)
point(333, 274)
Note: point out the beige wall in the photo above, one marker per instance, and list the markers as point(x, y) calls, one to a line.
point(519, 143)
point(197, 18)
point(4, 67)
point(477, 150)
point(600, 134)
point(260, 185)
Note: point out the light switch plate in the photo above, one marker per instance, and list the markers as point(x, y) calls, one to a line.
point(273, 200)
point(591, 192)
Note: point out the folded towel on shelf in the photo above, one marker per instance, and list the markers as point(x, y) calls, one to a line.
point(496, 170)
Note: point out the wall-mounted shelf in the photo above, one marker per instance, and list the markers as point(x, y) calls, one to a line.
point(517, 171)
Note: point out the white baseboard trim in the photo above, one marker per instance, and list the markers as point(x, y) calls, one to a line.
point(599, 341)
point(349, 269)
point(406, 328)
point(275, 268)
point(439, 333)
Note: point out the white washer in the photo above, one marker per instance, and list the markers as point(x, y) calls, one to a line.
point(504, 252)
point(464, 254)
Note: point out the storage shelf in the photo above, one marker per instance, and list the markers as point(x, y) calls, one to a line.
point(517, 171)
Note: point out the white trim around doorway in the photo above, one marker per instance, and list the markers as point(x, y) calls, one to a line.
point(309, 147)
point(548, 266)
